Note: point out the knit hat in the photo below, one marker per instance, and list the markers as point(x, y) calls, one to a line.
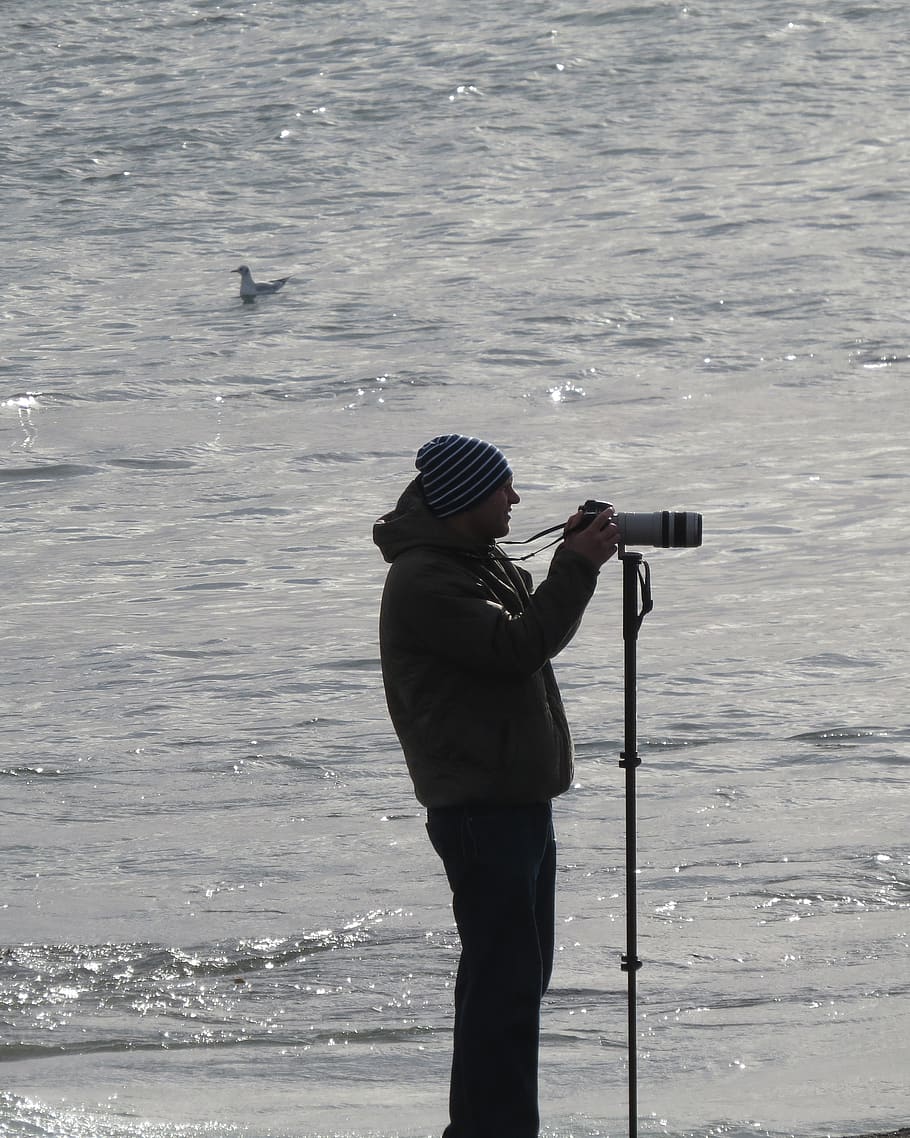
point(457, 472)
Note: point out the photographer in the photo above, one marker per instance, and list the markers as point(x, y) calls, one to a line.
point(466, 647)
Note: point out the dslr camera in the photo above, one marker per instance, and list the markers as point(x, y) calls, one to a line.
point(664, 528)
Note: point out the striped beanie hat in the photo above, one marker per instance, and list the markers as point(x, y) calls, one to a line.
point(457, 472)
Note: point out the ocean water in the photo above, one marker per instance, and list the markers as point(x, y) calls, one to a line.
point(655, 251)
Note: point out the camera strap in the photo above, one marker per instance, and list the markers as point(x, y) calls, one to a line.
point(543, 533)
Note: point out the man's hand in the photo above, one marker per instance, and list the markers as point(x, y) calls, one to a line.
point(598, 541)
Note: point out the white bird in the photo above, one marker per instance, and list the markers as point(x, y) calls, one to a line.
point(249, 289)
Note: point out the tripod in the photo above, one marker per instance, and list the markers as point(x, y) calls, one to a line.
point(636, 583)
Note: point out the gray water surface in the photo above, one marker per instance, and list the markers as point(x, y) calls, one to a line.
point(658, 253)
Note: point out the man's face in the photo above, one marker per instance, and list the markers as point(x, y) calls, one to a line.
point(489, 519)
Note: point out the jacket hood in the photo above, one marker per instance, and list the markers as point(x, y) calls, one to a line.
point(412, 525)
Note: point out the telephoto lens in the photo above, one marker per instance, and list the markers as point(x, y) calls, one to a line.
point(664, 528)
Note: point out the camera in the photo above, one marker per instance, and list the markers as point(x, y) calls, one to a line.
point(664, 528)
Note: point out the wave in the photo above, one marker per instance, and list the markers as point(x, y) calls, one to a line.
point(51, 472)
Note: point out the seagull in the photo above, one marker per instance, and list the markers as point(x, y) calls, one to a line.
point(249, 289)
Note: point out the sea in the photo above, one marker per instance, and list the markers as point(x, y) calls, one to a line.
point(655, 250)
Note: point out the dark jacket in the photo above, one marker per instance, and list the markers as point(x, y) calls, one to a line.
point(466, 649)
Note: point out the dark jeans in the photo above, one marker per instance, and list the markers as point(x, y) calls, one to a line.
point(501, 865)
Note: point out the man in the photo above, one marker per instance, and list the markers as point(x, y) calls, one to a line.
point(466, 648)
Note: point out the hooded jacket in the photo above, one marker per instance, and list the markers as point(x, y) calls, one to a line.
point(466, 649)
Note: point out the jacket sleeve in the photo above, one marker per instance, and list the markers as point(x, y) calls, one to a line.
point(439, 605)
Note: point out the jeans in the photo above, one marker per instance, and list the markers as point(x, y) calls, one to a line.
point(501, 865)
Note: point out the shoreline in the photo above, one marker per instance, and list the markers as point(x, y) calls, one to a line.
point(904, 1132)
